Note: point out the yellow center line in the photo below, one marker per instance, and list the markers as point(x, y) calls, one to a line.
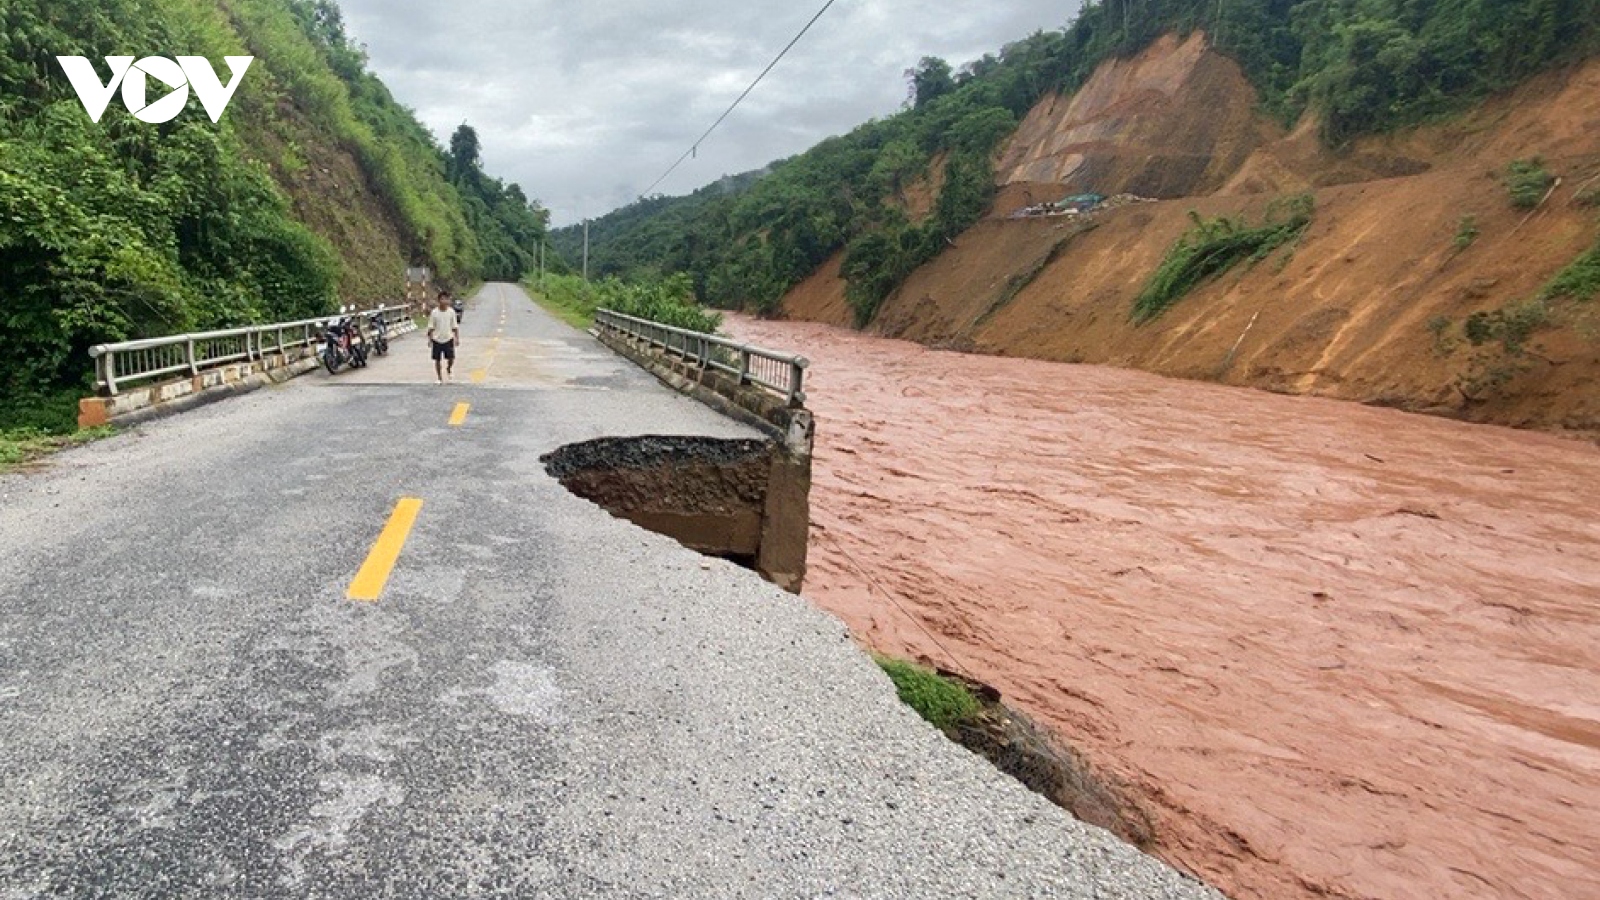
point(482, 375)
point(459, 416)
point(374, 574)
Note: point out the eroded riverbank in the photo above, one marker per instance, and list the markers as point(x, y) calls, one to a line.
point(1331, 650)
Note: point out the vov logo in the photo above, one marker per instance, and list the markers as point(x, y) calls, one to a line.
point(134, 79)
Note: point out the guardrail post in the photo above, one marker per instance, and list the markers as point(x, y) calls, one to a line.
point(110, 372)
point(194, 367)
point(797, 383)
point(744, 365)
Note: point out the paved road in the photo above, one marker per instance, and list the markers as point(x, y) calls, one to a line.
point(544, 702)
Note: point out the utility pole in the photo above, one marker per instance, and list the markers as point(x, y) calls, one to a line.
point(586, 250)
point(541, 263)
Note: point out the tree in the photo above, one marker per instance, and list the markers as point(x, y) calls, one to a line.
point(930, 80)
point(466, 158)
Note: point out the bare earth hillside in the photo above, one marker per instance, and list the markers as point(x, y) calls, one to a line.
point(1368, 307)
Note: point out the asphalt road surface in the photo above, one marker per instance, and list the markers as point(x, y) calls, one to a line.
point(543, 701)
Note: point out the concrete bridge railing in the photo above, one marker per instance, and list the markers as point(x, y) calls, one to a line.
point(134, 362)
point(782, 373)
point(135, 380)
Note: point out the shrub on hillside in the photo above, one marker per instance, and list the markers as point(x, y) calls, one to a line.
point(1213, 246)
point(1527, 182)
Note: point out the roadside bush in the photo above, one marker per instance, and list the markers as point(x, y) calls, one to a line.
point(670, 300)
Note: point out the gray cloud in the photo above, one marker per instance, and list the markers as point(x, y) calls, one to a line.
point(585, 105)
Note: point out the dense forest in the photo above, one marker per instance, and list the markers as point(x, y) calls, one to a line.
point(1363, 66)
point(121, 229)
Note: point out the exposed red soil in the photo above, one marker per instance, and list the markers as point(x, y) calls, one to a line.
point(820, 298)
point(1174, 121)
point(919, 197)
point(1330, 650)
point(1352, 314)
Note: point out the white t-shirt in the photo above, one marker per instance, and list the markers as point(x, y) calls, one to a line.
point(443, 324)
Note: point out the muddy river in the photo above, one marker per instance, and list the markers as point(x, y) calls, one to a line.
point(1324, 649)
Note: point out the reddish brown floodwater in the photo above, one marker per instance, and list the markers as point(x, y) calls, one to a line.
point(1328, 649)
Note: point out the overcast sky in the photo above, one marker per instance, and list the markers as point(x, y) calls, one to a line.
point(586, 104)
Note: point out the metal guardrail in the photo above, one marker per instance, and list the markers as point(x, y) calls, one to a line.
point(782, 373)
point(130, 362)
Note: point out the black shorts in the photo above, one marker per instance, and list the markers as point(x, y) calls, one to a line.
point(446, 350)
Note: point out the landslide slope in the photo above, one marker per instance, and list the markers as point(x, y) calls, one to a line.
point(1414, 249)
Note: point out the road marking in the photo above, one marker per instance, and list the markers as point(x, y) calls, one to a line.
point(369, 583)
point(479, 376)
point(459, 416)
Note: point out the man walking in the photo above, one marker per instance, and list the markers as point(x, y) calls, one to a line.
point(444, 333)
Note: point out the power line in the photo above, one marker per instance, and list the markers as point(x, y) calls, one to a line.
point(872, 583)
point(695, 147)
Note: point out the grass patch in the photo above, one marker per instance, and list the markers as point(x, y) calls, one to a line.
point(1466, 232)
point(670, 301)
point(575, 315)
point(941, 701)
point(23, 445)
point(1580, 279)
point(1527, 181)
point(1213, 246)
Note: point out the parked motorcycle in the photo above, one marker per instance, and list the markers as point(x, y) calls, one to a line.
point(333, 353)
point(343, 343)
point(355, 340)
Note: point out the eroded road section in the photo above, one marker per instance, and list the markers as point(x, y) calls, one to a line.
point(346, 638)
point(1330, 650)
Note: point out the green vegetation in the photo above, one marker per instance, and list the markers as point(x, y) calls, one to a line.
point(1580, 280)
point(564, 297)
point(1363, 65)
point(1466, 233)
point(1588, 194)
point(1510, 326)
point(21, 445)
point(1527, 181)
point(1503, 339)
point(669, 300)
point(941, 701)
point(1443, 343)
point(1213, 246)
point(120, 230)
